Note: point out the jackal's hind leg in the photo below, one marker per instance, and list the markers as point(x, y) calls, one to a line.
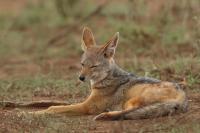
point(130, 105)
point(113, 115)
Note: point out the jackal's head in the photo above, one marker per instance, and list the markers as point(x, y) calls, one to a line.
point(97, 61)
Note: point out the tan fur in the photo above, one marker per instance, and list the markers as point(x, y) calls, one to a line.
point(115, 89)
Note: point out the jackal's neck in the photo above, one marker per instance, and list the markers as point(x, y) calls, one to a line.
point(116, 76)
point(116, 71)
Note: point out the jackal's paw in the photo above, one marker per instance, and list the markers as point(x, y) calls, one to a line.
point(37, 112)
point(103, 116)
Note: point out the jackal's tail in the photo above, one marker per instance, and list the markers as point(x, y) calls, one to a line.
point(160, 109)
point(152, 111)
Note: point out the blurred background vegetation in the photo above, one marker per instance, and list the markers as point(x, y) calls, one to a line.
point(40, 43)
point(42, 38)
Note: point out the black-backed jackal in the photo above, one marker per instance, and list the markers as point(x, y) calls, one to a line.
point(117, 94)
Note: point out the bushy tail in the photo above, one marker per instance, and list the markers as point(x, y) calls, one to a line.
point(155, 110)
point(160, 109)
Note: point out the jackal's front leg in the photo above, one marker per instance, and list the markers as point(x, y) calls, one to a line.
point(94, 104)
point(77, 109)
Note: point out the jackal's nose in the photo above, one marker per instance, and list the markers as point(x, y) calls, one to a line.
point(82, 78)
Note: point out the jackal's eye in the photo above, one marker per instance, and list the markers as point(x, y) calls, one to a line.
point(94, 66)
point(82, 64)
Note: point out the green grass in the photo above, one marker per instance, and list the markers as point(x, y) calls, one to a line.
point(26, 88)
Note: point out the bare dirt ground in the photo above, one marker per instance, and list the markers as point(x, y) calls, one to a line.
point(12, 122)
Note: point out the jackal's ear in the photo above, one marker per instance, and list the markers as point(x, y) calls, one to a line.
point(110, 46)
point(87, 39)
